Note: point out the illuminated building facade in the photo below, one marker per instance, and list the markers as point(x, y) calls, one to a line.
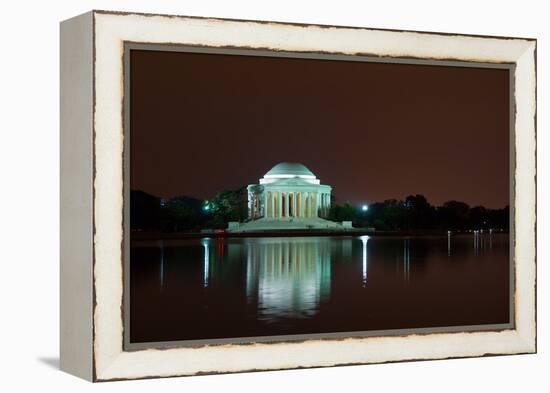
point(288, 191)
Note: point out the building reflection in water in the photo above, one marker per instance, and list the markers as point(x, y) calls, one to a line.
point(289, 277)
point(289, 285)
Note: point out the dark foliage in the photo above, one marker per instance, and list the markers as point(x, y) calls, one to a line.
point(227, 206)
point(180, 214)
point(151, 213)
point(345, 212)
point(416, 213)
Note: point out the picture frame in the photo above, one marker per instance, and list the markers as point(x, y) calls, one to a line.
point(95, 194)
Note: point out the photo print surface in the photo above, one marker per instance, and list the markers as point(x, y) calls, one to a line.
point(276, 197)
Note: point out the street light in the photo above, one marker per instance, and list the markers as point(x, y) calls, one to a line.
point(364, 208)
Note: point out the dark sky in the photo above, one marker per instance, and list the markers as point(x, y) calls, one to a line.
point(203, 123)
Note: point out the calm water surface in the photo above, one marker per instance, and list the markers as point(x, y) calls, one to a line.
point(245, 287)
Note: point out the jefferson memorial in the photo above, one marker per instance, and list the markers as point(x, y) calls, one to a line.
point(289, 196)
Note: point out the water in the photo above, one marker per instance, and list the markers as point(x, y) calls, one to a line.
point(247, 287)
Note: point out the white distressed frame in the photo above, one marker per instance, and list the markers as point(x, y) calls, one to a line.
point(110, 31)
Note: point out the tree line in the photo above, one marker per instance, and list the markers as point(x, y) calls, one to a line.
point(182, 213)
point(416, 213)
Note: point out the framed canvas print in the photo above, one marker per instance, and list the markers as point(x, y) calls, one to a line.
point(245, 195)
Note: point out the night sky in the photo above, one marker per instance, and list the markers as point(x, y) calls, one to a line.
point(203, 123)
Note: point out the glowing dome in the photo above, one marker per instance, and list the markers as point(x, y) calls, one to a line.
point(289, 169)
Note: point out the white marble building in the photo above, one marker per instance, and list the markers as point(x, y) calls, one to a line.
point(288, 197)
point(288, 191)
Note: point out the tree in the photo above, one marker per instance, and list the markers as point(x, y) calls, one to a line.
point(227, 206)
point(454, 215)
point(345, 212)
point(420, 214)
point(478, 217)
point(500, 218)
point(393, 214)
point(182, 213)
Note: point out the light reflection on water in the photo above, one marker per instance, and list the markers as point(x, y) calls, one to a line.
point(364, 240)
point(285, 285)
point(290, 277)
point(206, 245)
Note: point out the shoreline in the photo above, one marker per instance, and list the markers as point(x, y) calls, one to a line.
point(143, 235)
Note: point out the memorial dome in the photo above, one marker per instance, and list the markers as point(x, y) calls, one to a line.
point(289, 169)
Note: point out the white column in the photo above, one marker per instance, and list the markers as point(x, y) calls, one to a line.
point(317, 204)
point(271, 205)
point(280, 199)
